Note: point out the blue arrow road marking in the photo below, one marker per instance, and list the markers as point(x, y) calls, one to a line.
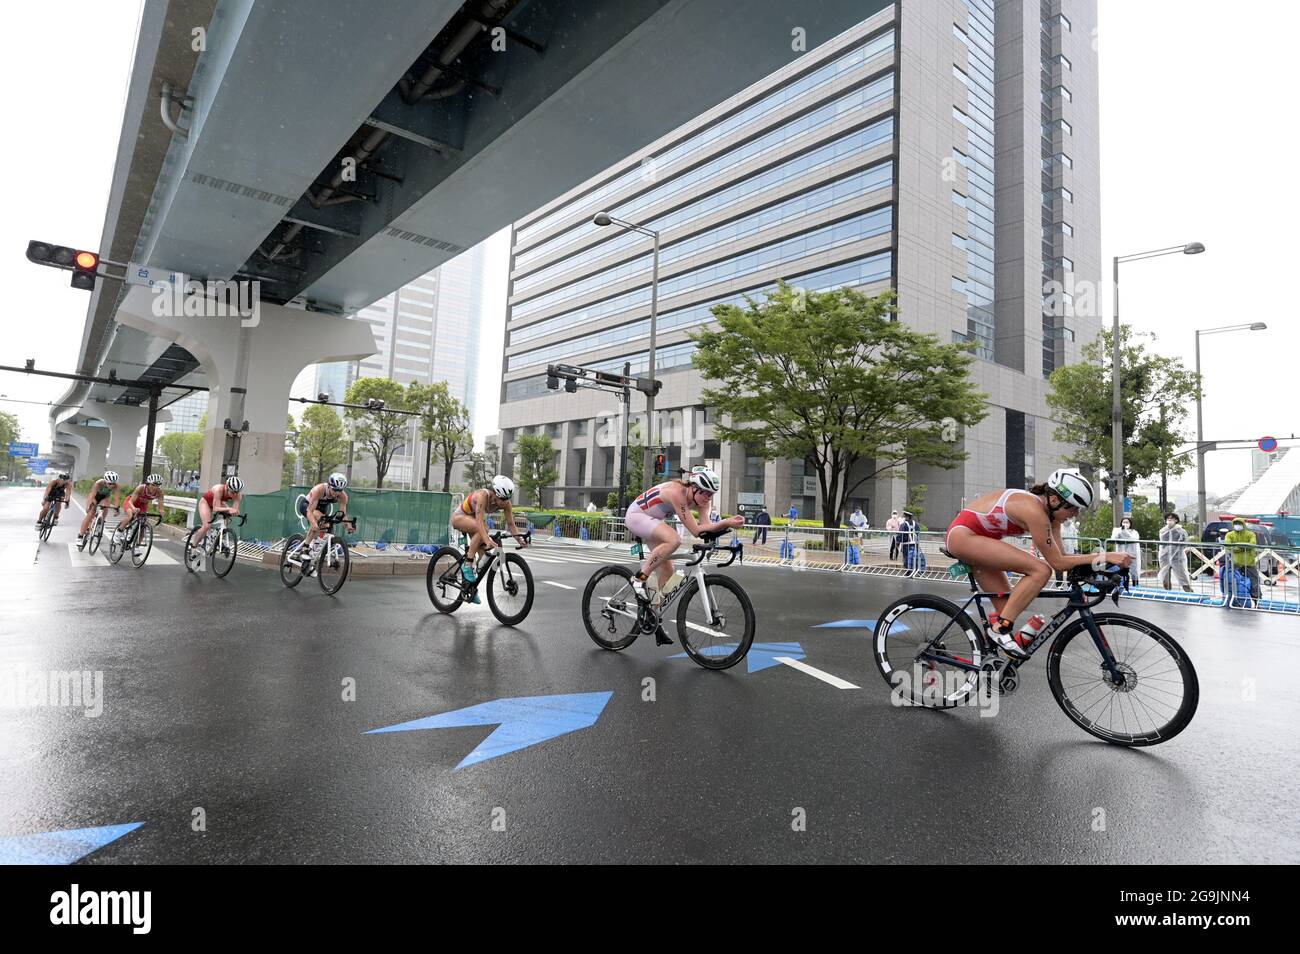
point(760, 655)
point(59, 847)
point(869, 623)
point(520, 722)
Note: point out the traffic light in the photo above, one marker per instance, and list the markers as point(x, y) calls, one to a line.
point(661, 464)
point(552, 382)
point(86, 272)
point(84, 265)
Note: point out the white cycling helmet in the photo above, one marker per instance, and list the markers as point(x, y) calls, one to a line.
point(63, 476)
point(705, 479)
point(234, 484)
point(153, 479)
point(1072, 487)
point(337, 481)
point(110, 476)
point(503, 487)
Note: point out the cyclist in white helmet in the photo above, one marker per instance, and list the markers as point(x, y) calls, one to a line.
point(320, 501)
point(646, 514)
point(976, 537)
point(136, 504)
point(224, 497)
point(103, 493)
point(470, 518)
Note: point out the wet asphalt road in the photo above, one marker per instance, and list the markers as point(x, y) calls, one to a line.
point(228, 697)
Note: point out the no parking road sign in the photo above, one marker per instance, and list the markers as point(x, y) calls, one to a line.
point(1268, 444)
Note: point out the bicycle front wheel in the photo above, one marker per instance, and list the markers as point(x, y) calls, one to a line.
point(510, 589)
point(224, 552)
point(332, 564)
point(290, 568)
point(117, 547)
point(717, 636)
point(442, 579)
point(925, 647)
point(143, 545)
point(96, 533)
point(1154, 697)
point(609, 608)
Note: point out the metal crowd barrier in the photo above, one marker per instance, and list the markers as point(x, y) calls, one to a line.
point(1274, 586)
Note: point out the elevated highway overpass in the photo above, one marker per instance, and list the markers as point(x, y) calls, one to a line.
point(331, 153)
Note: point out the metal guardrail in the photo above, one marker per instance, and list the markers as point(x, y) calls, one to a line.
point(1273, 587)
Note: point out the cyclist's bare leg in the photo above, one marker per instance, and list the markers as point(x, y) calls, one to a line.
point(89, 518)
point(665, 541)
point(988, 559)
point(205, 521)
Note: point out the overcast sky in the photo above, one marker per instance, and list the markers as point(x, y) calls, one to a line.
point(1196, 142)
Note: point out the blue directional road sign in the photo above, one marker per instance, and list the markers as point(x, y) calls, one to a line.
point(59, 847)
point(760, 655)
point(18, 449)
point(37, 465)
point(520, 722)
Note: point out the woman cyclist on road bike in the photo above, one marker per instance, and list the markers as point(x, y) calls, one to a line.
point(975, 538)
point(645, 519)
point(137, 503)
point(221, 498)
point(470, 518)
point(57, 494)
point(103, 493)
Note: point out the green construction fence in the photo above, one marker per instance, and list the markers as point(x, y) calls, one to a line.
point(387, 517)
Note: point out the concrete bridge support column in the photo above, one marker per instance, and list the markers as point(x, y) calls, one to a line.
point(250, 364)
point(125, 422)
point(95, 459)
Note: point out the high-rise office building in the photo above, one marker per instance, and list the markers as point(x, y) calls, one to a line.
point(945, 149)
point(426, 331)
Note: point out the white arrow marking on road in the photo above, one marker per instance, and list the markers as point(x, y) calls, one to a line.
point(835, 681)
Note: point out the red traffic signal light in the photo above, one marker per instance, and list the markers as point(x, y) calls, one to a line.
point(87, 260)
point(83, 265)
point(86, 271)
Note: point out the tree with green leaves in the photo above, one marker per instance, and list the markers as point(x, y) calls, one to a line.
point(379, 433)
point(444, 423)
point(1155, 393)
point(484, 465)
point(533, 468)
point(183, 450)
point(320, 442)
point(833, 378)
point(12, 467)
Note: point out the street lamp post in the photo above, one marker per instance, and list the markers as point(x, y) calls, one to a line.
point(1200, 429)
point(1116, 412)
point(603, 219)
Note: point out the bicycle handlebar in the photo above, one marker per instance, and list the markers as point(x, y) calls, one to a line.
point(498, 535)
point(704, 550)
point(1107, 582)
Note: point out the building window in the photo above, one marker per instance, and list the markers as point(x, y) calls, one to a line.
point(1064, 93)
point(580, 428)
point(1066, 228)
point(1061, 61)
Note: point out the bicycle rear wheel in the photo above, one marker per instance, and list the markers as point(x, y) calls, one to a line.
point(290, 569)
point(143, 544)
point(442, 579)
point(332, 564)
point(224, 552)
point(117, 547)
point(510, 589)
point(940, 680)
point(719, 640)
point(1159, 692)
point(609, 608)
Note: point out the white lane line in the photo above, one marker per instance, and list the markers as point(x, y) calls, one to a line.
point(560, 585)
point(835, 681)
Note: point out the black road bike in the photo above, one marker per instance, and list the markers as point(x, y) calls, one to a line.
point(715, 618)
point(51, 520)
point(137, 538)
point(506, 576)
point(1117, 677)
point(219, 547)
point(327, 558)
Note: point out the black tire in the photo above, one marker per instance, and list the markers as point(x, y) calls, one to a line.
point(510, 587)
point(442, 579)
point(724, 644)
point(290, 573)
point(909, 624)
point(609, 608)
point(224, 551)
point(189, 550)
point(96, 534)
point(332, 564)
point(143, 541)
point(115, 549)
point(47, 525)
point(1167, 681)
